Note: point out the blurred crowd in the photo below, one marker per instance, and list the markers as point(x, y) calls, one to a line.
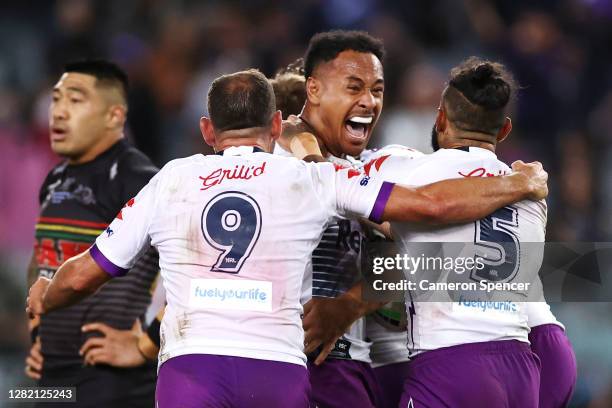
point(559, 51)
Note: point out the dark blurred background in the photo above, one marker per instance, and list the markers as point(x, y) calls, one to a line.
point(559, 50)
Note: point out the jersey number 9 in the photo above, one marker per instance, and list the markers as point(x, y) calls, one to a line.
point(231, 223)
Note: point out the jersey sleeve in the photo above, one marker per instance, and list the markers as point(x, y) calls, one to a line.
point(351, 193)
point(118, 248)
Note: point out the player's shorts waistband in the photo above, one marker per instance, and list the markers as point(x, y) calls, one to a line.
point(471, 349)
point(548, 328)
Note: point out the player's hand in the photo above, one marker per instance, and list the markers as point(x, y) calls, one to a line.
point(325, 320)
point(118, 348)
point(537, 178)
point(299, 139)
point(34, 302)
point(34, 361)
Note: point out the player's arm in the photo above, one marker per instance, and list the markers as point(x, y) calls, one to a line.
point(326, 319)
point(356, 194)
point(461, 200)
point(125, 239)
point(33, 323)
point(32, 270)
point(77, 278)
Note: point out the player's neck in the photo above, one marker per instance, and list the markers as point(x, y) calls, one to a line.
point(471, 139)
point(103, 145)
point(313, 120)
point(244, 137)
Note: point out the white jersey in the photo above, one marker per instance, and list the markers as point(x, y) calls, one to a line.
point(388, 345)
point(235, 233)
point(335, 267)
point(433, 325)
point(539, 313)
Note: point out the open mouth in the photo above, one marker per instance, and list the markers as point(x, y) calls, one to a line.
point(358, 127)
point(58, 133)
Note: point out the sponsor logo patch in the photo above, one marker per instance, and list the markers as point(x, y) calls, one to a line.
point(231, 294)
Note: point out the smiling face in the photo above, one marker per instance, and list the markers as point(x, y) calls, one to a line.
point(347, 93)
point(81, 116)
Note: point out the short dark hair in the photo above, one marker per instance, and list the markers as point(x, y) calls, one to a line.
point(289, 93)
point(241, 100)
point(478, 95)
point(105, 72)
point(324, 47)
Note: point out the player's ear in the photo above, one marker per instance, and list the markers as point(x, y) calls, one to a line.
point(276, 127)
point(505, 130)
point(441, 120)
point(208, 131)
point(116, 116)
point(313, 90)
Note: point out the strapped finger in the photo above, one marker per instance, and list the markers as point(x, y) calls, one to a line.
point(95, 356)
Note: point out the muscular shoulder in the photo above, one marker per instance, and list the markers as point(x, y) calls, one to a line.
point(130, 172)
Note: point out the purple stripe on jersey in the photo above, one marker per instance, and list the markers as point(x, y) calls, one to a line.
point(381, 202)
point(102, 261)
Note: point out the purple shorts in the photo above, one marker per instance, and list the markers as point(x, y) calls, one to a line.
point(391, 379)
point(500, 374)
point(204, 380)
point(341, 383)
point(558, 376)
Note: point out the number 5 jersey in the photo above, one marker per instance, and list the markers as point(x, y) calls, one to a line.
point(503, 235)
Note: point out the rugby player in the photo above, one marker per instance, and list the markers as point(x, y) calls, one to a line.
point(133, 348)
point(385, 348)
point(78, 199)
point(235, 232)
point(344, 89)
point(462, 356)
point(547, 338)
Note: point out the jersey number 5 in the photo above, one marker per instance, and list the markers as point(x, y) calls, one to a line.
point(231, 223)
point(498, 246)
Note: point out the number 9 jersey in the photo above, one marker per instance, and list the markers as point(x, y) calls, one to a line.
point(235, 233)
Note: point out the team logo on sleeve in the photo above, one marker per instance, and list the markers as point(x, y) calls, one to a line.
point(376, 163)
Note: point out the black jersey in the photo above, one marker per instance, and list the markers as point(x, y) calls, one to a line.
point(77, 203)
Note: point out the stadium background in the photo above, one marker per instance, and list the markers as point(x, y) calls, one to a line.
point(559, 51)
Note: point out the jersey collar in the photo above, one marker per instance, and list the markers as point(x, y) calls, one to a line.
point(239, 150)
point(478, 150)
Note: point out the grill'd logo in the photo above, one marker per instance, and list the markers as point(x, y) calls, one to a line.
point(238, 172)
